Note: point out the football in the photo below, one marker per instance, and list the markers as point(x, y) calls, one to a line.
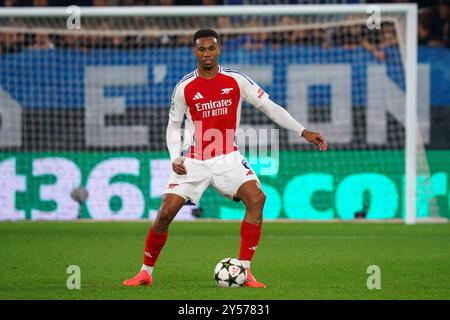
point(230, 273)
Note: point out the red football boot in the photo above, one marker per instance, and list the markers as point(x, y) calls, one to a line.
point(141, 279)
point(251, 281)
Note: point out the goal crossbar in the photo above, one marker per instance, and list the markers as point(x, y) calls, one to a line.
point(208, 11)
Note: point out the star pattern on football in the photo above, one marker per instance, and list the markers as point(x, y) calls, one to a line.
point(242, 269)
point(216, 277)
point(231, 280)
point(226, 264)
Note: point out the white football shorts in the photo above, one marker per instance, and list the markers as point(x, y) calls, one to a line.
point(225, 173)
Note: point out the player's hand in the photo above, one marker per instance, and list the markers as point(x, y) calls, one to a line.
point(316, 138)
point(178, 166)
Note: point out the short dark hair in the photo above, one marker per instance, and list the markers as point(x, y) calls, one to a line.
point(205, 33)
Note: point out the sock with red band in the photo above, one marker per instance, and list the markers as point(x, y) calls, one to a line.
point(250, 235)
point(153, 246)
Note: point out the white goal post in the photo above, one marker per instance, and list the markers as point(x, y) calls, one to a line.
point(408, 51)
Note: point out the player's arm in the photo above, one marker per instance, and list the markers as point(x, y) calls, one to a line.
point(260, 99)
point(280, 116)
point(173, 132)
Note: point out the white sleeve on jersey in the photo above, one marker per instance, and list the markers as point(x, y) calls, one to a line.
point(255, 95)
point(176, 116)
point(280, 116)
point(251, 92)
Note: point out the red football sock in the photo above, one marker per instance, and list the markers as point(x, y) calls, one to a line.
point(153, 246)
point(250, 235)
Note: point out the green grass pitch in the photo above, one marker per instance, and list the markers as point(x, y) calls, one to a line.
point(295, 260)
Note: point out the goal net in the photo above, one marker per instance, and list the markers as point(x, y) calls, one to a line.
point(84, 106)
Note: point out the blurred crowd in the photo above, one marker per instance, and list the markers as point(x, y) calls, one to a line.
point(434, 24)
point(348, 37)
point(433, 30)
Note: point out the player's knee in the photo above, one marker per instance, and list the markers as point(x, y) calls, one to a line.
point(256, 203)
point(162, 222)
point(164, 216)
point(260, 199)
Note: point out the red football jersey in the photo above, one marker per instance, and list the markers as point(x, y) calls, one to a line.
point(212, 108)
